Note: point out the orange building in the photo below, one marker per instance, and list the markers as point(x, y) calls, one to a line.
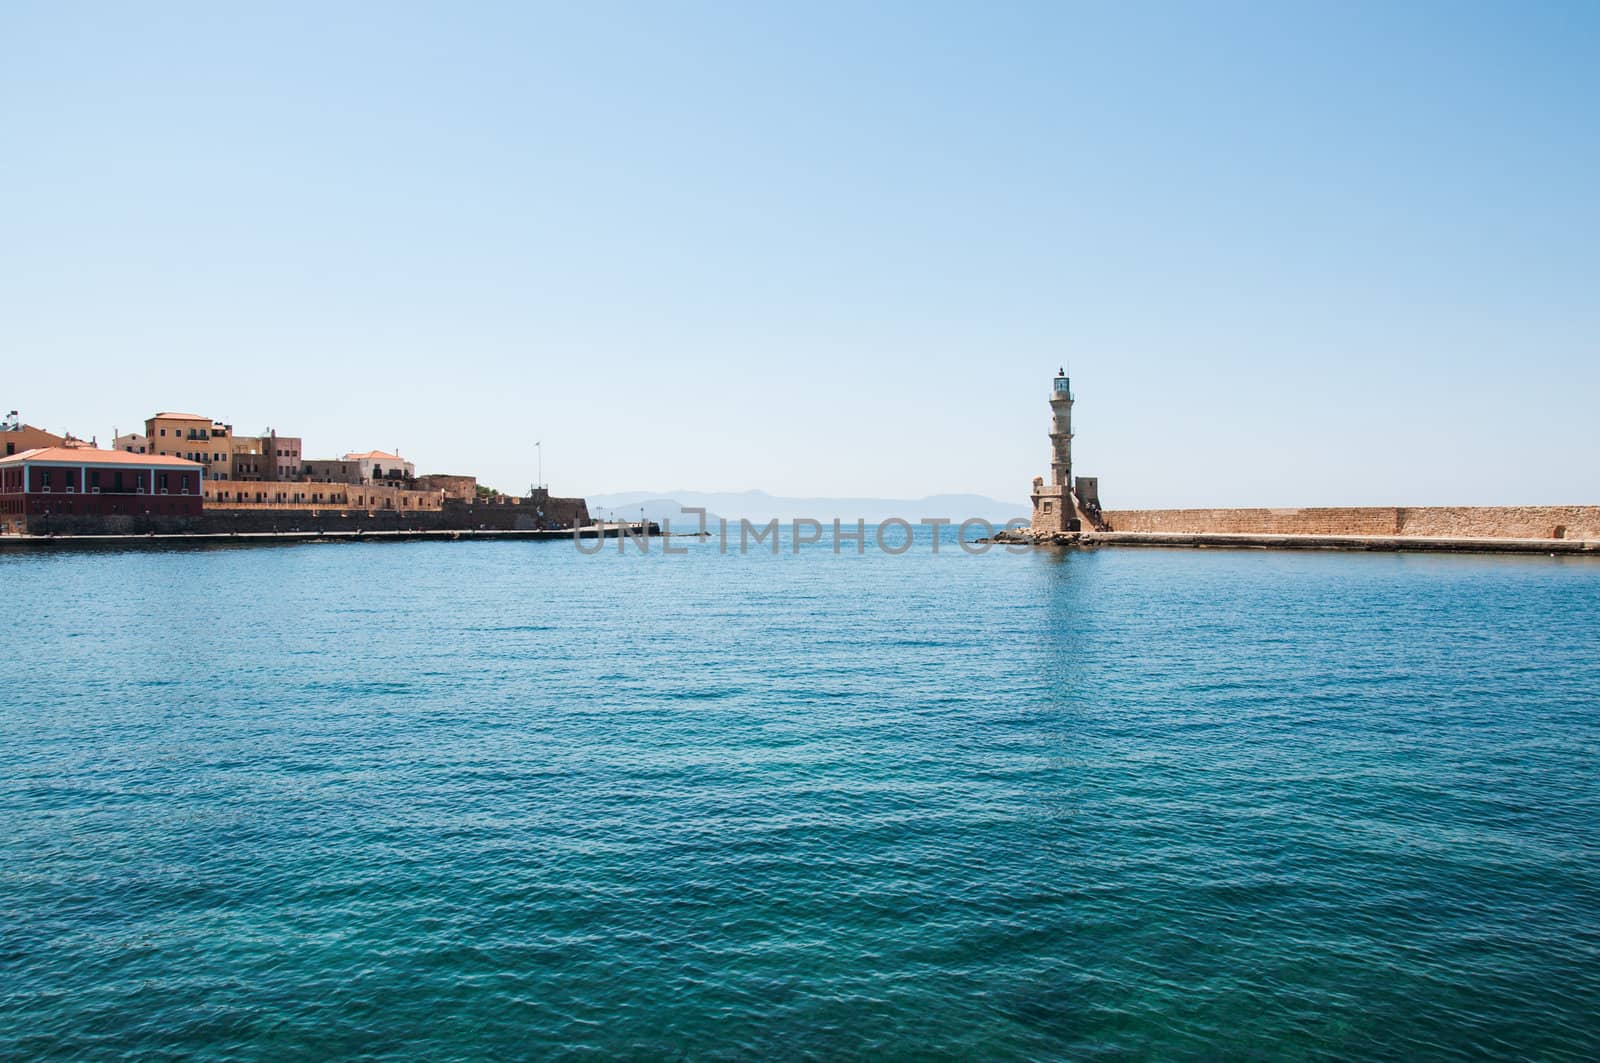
point(15, 437)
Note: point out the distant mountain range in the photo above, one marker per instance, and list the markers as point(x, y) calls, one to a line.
point(760, 506)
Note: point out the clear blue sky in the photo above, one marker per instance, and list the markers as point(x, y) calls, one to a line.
point(1294, 253)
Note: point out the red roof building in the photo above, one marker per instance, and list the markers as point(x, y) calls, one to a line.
point(87, 482)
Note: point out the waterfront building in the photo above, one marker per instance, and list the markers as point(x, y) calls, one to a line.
point(246, 461)
point(280, 456)
point(331, 471)
point(16, 437)
point(193, 438)
point(379, 466)
point(226, 455)
point(89, 482)
point(319, 495)
point(268, 458)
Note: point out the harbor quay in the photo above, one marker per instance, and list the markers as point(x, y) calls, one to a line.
point(636, 531)
point(190, 475)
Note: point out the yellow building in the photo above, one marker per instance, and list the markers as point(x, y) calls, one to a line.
point(225, 455)
point(188, 435)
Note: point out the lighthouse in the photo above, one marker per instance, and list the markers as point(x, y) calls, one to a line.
point(1061, 430)
point(1056, 508)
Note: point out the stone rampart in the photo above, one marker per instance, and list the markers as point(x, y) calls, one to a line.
point(114, 524)
point(309, 494)
point(522, 514)
point(1473, 522)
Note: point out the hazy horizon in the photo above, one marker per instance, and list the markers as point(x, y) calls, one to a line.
point(762, 506)
point(1293, 257)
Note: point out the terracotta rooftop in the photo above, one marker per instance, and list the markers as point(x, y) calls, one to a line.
point(374, 454)
point(91, 456)
point(180, 417)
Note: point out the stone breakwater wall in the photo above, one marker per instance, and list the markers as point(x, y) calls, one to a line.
point(1464, 522)
point(523, 515)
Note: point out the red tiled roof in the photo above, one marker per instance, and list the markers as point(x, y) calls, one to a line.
point(373, 454)
point(180, 417)
point(92, 456)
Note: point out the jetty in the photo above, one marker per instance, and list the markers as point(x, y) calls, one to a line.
point(1446, 544)
point(1067, 511)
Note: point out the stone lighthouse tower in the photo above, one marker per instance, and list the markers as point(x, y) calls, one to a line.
point(1054, 509)
point(1061, 431)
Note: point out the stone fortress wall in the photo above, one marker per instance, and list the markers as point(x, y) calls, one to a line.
point(1471, 522)
point(502, 514)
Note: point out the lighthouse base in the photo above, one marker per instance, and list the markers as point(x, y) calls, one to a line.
point(1054, 511)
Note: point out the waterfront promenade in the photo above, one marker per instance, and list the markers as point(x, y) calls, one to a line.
point(593, 531)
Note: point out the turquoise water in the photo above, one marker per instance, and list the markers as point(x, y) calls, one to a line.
point(503, 800)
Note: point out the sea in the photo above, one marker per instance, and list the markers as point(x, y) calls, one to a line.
point(507, 800)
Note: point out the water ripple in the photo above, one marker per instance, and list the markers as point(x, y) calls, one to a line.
point(523, 802)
